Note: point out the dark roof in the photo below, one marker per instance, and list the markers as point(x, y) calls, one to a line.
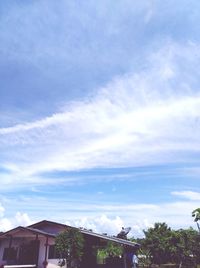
point(32, 230)
point(48, 222)
point(111, 238)
point(91, 233)
point(40, 231)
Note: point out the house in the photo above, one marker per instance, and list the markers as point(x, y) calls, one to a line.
point(33, 246)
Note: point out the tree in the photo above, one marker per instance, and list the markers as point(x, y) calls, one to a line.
point(157, 242)
point(112, 250)
point(144, 257)
point(196, 215)
point(164, 245)
point(184, 248)
point(69, 244)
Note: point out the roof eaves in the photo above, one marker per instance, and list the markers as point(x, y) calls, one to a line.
point(111, 238)
point(32, 230)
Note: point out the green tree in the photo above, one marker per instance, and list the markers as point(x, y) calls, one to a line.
point(184, 248)
point(110, 251)
point(69, 244)
point(145, 259)
point(164, 245)
point(113, 249)
point(157, 242)
point(196, 215)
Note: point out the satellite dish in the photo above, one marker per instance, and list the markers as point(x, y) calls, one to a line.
point(123, 233)
point(127, 230)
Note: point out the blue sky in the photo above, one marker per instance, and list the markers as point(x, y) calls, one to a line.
point(99, 113)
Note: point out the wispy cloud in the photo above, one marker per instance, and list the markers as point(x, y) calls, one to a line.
point(93, 86)
point(191, 195)
point(129, 122)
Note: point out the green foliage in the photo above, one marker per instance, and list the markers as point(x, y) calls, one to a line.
point(157, 242)
point(70, 245)
point(111, 250)
point(184, 246)
point(144, 257)
point(164, 245)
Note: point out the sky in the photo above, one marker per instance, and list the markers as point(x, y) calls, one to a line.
point(99, 113)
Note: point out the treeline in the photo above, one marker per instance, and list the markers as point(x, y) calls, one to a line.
point(162, 245)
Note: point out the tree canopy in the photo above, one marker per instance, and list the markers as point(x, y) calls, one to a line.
point(165, 245)
point(69, 244)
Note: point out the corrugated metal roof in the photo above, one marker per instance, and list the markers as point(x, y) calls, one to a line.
point(88, 232)
point(111, 238)
point(34, 229)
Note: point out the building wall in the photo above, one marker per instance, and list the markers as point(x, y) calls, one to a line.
point(25, 237)
point(52, 263)
point(16, 242)
point(4, 244)
point(41, 256)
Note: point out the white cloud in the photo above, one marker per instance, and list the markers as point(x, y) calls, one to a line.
point(11, 222)
point(129, 122)
point(101, 224)
point(102, 217)
point(145, 117)
point(191, 195)
point(110, 225)
point(22, 219)
point(139, 217)
point(5, 225)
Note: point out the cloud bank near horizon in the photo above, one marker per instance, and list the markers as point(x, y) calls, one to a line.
point(101, 218)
